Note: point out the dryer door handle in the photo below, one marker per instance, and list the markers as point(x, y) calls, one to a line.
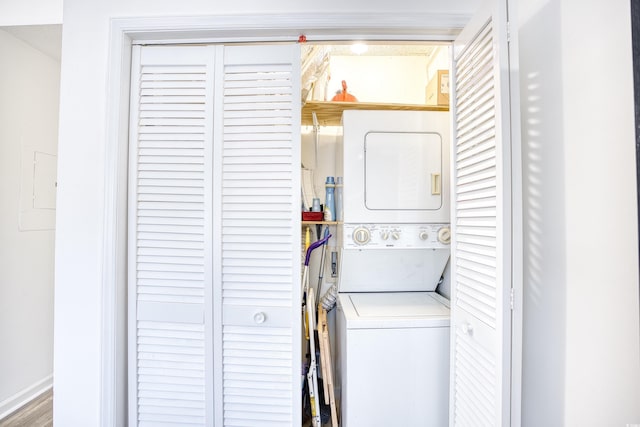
point(436, 184)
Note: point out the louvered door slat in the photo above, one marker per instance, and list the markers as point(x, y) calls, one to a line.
point(169, 235)
point(260, 129)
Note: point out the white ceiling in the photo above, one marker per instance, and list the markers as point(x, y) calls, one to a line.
point(45, 38)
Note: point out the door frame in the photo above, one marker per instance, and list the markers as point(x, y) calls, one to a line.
point(125, 32)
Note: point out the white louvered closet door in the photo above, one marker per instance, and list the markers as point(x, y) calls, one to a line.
point(170, 207)
point(258, 173)
point(483, 241)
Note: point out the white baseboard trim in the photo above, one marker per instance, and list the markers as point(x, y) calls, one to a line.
point(15, 402)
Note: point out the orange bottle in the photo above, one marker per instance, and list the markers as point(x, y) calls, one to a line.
point(343, 96)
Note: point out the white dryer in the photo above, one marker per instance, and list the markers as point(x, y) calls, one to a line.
point(395, 166)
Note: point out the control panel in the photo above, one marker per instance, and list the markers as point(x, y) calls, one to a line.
point(374, 236)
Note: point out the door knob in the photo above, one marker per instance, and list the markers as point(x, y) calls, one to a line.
point(467, 328)
point(259, 317)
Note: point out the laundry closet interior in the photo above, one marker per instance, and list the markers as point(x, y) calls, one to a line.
point(379, 131)
point(229, 145)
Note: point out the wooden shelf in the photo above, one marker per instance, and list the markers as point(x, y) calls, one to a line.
point(320, 222)
point(330, 113)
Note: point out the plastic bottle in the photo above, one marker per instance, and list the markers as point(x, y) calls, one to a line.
point(339, 199)
point(329, 202)
point(315, 207)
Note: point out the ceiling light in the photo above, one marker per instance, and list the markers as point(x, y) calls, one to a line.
point(359, 48)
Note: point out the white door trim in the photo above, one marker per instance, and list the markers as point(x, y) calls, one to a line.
point(204, 29)
point(517, 258)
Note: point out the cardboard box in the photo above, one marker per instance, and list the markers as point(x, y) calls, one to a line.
point(437, 92)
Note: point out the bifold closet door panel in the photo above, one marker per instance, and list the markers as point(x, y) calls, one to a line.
point(260, 234)
point(170, 208)
point(485, 237)
point(214, 314)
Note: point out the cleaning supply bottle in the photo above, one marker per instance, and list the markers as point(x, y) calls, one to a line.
point(329, 202)
point(339, 199)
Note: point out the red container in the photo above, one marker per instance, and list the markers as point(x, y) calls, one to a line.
point(312, 216)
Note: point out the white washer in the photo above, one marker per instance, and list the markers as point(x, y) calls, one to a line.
point(393, 359)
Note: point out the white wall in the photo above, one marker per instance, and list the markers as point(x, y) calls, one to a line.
point(440, 61)
point(29, 84)
point(30, 12)
point(377, 78)
point(581, 324)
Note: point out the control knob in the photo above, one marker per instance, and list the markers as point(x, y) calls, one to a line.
point(423, 235)
point(384, 235)
point(395, 234)
point(444, 235)
point(361, 235)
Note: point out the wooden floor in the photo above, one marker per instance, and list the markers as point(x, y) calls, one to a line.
point(37, 413)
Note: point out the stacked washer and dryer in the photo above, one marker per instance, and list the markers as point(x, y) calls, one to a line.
point(392, 350)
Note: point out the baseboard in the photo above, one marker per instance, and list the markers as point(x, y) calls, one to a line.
point(18, 400)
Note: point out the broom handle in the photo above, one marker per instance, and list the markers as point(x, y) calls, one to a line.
point(313, 246)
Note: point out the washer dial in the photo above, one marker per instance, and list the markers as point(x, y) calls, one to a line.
point(361, 235)
point(444, 235)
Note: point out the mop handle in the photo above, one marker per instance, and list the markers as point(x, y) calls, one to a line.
point(313, 246)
